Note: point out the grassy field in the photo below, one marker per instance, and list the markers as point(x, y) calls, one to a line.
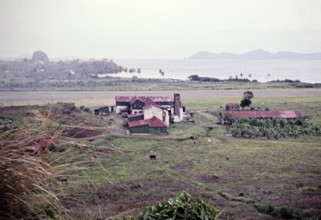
point(243, 177)
point(246, 178)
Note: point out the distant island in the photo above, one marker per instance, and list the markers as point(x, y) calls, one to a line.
point(257, 55)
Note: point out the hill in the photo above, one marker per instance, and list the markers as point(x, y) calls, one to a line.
point(256, 54)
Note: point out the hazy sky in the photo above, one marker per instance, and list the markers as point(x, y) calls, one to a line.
point(157, 28)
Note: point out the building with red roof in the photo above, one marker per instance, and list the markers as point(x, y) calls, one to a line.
point(232, 107)
point(226, 116)
point(167, 109)
point(148, 126)
point(136, 103)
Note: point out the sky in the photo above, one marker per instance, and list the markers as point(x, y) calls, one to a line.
point(157, 28)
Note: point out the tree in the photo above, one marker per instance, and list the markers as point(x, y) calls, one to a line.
point(246, 101)
point(193, 77)
point(248, 95)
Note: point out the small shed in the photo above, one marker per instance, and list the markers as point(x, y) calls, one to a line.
point(156, 126)
point(104, 110)
point(149, 126)
point(232, 107)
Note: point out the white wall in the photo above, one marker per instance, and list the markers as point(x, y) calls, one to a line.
point(158, 112)
point(119, 108)
point(180, 117)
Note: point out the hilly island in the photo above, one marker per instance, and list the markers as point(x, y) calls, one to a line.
point(256, 54)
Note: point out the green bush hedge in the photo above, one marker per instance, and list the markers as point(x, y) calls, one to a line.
point(272, 128)
point(180, 207)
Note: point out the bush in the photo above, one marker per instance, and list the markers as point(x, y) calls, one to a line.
point(180, 207)
point(85, 109)
point(273, 128)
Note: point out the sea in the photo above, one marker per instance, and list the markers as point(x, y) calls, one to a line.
point(260, 70)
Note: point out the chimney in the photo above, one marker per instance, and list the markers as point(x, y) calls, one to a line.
point(177, 103)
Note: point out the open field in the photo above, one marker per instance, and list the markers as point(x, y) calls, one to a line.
point(246, 178)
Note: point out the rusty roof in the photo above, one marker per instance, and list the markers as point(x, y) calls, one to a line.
point(134, 115)
point(154, 122)
point(263, 114)
point(144, 98)
point(138, 123)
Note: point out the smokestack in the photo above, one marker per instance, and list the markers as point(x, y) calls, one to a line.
point(177, 103)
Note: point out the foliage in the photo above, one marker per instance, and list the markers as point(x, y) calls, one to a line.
point(180, 207)
point(273, 128)
point(85, 109)
point(246, 101)
point(203, 79)
point(25, 175)
point(248, 95)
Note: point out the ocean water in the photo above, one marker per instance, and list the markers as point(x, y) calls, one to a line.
point(261, 70)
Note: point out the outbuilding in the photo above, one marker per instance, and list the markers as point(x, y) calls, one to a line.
point(232, 107)
point(103, 110)
point(148, 126)
point(228, 116)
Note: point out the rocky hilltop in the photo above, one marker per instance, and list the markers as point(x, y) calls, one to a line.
point(39, 56)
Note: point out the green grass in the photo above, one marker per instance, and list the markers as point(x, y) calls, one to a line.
point(265, 171)
point(120, 178)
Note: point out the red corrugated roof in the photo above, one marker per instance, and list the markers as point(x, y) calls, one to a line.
point(135, 115)
point(138, 123)
point(232, 104)
point(135, 100)
point(263, 114)
point(154, 122)
point(144, 98)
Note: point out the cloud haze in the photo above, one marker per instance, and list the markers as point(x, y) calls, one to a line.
point(157, 28)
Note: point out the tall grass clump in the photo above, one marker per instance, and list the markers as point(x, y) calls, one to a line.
point(24, 186)
point(26, 177)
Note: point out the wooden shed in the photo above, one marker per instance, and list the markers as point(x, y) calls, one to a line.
point(149, 126)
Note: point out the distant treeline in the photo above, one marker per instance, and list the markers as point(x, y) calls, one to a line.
point(293, 83)
point(286, 81)
point(27, 66)
point(211, 79)
point(297, 83)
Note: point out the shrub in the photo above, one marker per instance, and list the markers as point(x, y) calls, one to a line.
point(85, 109)
point(273, 128)
point(180, 207)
